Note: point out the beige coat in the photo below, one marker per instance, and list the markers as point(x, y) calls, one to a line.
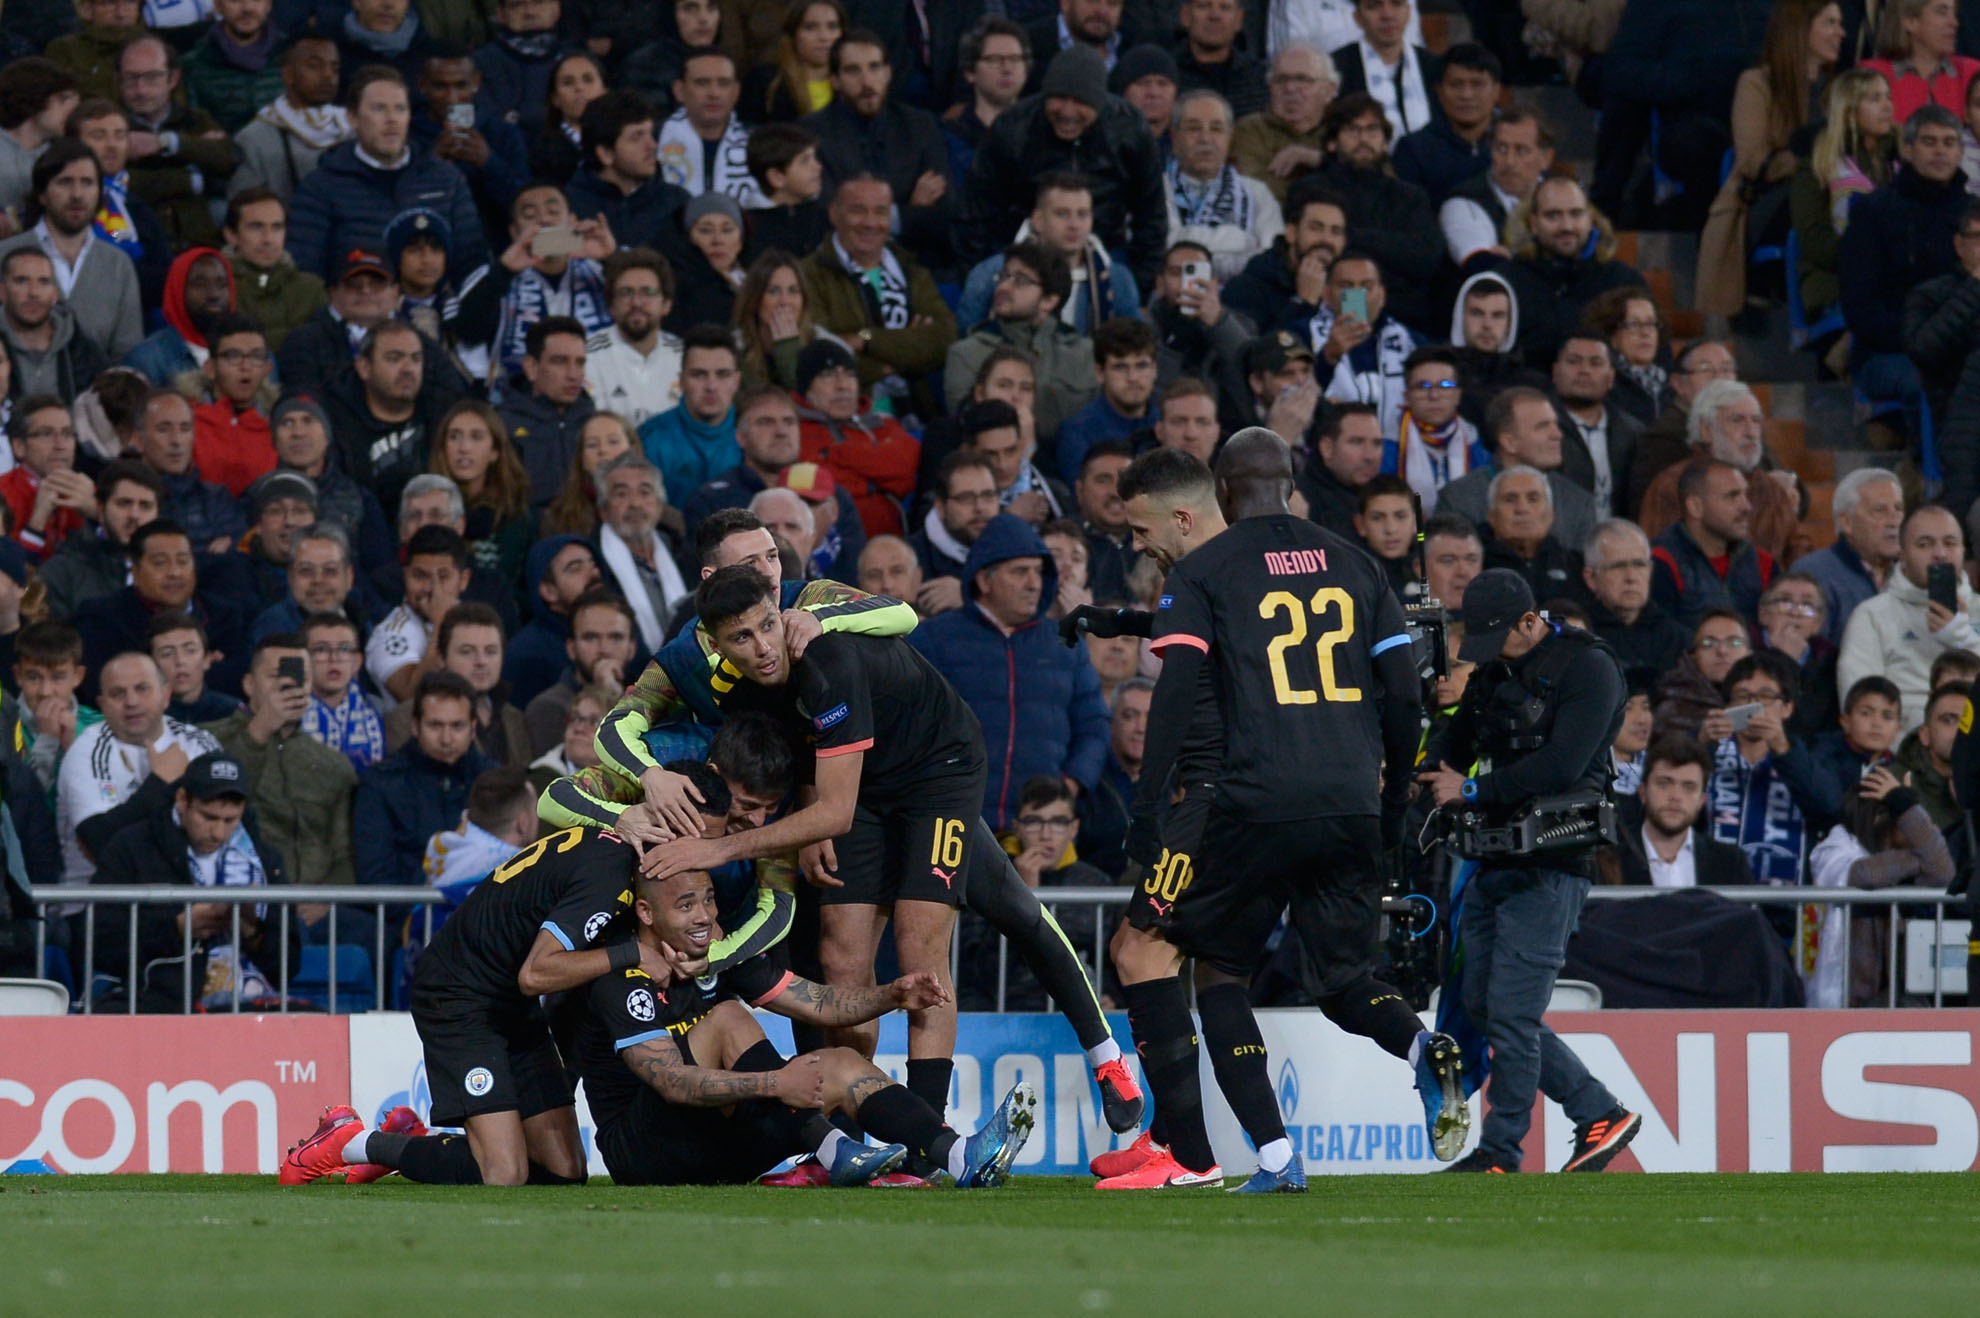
point(1257, 138)
point(1759, 155)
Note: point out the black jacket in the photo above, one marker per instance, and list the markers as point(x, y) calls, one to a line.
point(384, 455)
point(138, 842)
point(1394, 222)
point(1684, 54)
point(112, 624)
point(1684, 584)
point(645, 218)
point(1717, 864)
point(1117, 156)
point(703, 295)
point(1354, 75)
point(937, 86)
point(314, 353)
point(1578, 466)
point(1329, 502)
point(546, 438)
point(1942, 327)
point(1266, 292)
point(1654, 642)
point(1898, 237)
point(1240, 79)
point(899, 144)
point(1436, 159)
point(1553, 572)
point(1958, 440)
point(1553, 292)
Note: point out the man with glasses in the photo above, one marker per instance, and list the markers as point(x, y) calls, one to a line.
point(1666, 442)
point(1767, 793)
point(1616, 569)
point(632, 367)
point(48, 499)
point(1281, 142)
point(232, 441)
point(1792, 613)
point(1705, 561)
point(180, 157)
point(340, 715)
point(965, 501)
point(1431, 431)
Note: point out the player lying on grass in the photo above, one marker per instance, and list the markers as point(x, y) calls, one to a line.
point(675, 704)
point(687, 1091)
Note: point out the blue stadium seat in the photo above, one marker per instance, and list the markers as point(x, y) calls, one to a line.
point(1800, 332)
point(356, 990)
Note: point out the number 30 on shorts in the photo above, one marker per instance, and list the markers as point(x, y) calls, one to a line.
point(1171, 876)
point(946, 847)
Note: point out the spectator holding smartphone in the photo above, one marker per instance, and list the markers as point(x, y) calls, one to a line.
point(1923, 611)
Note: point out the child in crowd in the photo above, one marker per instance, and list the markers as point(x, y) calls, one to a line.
point(48, 668)
point(1387, 520)
point(340, 715)
point(1885, 838)
point(1871, 718)
point(783, 159)
point(179, 647)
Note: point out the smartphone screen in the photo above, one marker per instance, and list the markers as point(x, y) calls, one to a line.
point(1354, 304)
point(1942, 586)
point(291, 669)
point(1741, 715)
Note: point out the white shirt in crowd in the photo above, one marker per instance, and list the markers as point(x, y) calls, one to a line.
point(620, 378)
point(1322, 24)
point(100, 772)
point(399, 640)
point(1680, 872)
point(1403, 94)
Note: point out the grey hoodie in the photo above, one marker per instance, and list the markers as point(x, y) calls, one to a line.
point(1457, 310)
point(65, 368)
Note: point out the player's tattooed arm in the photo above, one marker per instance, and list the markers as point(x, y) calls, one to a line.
point(659, 1064)
point(831, 1005)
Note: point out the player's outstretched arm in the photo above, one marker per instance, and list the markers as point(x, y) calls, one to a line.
point(659, 1064)
point(842, 608)
point(837, 783)
point(648, 703)
point(553, 968)
point(832, 1005)
point(590, 798)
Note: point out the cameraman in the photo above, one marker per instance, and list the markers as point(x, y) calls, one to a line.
point(1539, 715)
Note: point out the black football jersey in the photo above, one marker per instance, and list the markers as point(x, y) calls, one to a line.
point(1291, 617)
point(880, 696)
point(626, 1009)
point(572, 883)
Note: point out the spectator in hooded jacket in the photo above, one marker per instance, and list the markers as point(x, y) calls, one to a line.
point(199, 289)
point(1900, 631)
point(359, 185)
point(1485, 340)
point(1052, 721)
point(1074, 125)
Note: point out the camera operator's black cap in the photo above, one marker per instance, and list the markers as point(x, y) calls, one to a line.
point(1494, 603)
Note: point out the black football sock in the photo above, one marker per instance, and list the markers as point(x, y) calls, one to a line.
point(428, 1159)
point(1237, 1055)
point(996, 893)
point(928, 1079)
point(760, 1056)
point(1158, 1130)
point(1165, 1037)
point(1372, 1009)
point(541, 1175)
point(897, 1115)
point(800, 1132)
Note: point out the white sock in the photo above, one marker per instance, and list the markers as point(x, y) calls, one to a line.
point(1276, 1156)
point(828, 1148)
point(1103, 1052)
point(956, 1163)
point(1416, 1048)
point(355, 1152)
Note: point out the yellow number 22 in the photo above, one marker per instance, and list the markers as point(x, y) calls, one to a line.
point(1327, 597)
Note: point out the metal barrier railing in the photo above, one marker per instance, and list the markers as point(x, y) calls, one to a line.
point(282, 902)
point(379, 900)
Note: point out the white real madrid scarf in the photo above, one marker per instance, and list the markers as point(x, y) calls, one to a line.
point(682, 154)
point(1222, 201)
point(885, 287)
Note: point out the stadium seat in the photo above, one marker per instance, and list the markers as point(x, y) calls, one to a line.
point(356, 990)
point(33, 997)
point(1801, 333)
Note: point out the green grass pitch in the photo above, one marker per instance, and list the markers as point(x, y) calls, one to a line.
point(1530, 1245)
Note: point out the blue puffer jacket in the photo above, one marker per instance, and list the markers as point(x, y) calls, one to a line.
point(345, 203)
point(1025, 680)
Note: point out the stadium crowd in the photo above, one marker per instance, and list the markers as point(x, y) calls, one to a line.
point(382, 375)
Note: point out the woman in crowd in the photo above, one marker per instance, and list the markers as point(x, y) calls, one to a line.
point(773, 321)
point(1885, 838)
point(1917, 45)
point(1852, 155)
point(798, 81)
point(1771, 103)
point(575, 509)
point(556, 153)
point(708, 265)
point(1639, 347)
point(475, 453)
